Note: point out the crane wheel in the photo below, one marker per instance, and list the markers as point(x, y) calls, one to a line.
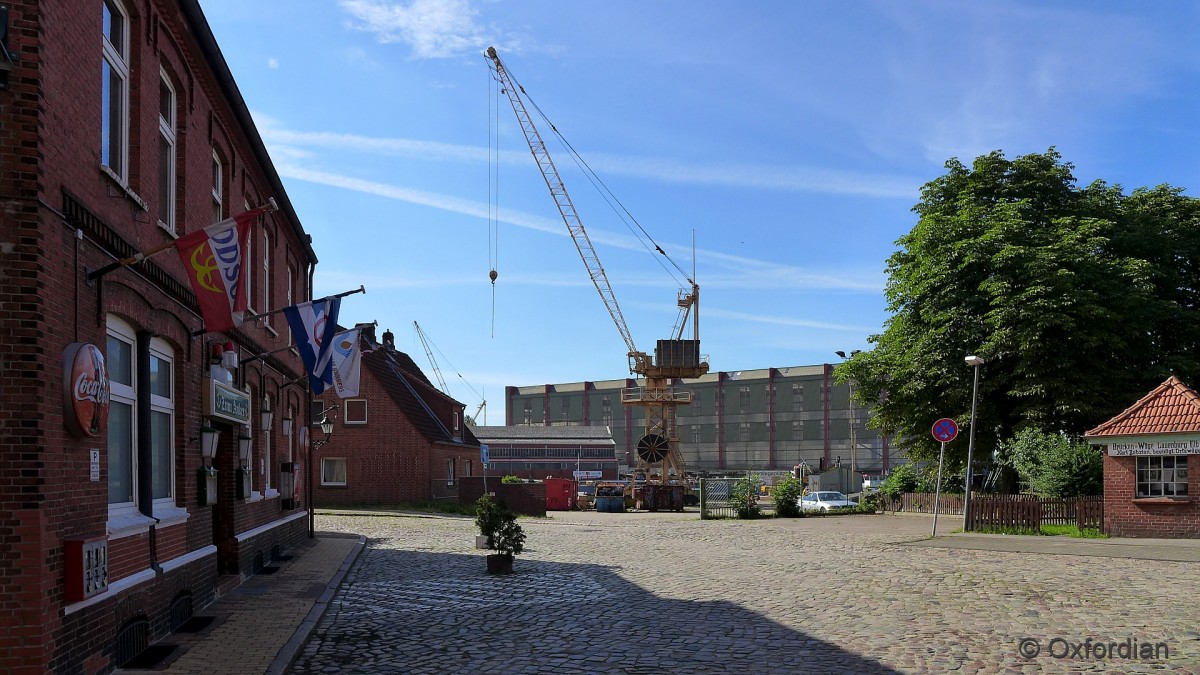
point(653, 448)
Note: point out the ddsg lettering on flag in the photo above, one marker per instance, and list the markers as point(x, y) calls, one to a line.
point(215, 260)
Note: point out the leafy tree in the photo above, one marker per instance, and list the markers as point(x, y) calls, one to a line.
point(900, 480)
point(1081, 300)
point(1054, 465)
point(744, 496)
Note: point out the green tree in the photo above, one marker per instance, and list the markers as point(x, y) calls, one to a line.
point(1054, 465)
point(785, 493)
point(1081, 300)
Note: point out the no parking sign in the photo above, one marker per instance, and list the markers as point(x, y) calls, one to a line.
point(945, 430)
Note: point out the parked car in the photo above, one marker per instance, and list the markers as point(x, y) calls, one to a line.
point(825, 501)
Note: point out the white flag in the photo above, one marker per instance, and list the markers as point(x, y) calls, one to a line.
point(347, 359)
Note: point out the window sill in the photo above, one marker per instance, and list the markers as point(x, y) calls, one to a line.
point(171, 515)
point(1169, 501)
point(168, 229)
point(333, 485)
point(125, 188)
point(272, 493)
point(128, 525)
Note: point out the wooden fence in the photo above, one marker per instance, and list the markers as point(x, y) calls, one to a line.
point(922, 502)
point(1030, 512)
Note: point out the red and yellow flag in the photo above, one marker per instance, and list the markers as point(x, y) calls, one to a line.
point(215, 260)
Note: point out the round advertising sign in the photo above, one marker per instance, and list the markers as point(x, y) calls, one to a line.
point(85, 390)
point(945, 430)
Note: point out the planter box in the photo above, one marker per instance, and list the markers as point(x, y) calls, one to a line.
point(481, 541)
point(498, 563)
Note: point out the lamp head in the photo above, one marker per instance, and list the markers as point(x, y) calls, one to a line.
point(840, 354)
point(975, 361)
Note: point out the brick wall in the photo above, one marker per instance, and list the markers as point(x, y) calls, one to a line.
point(1126, 516)
point(527, 499)
point(52, 189)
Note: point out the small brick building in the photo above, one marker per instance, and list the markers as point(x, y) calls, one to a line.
point(1149, 449)
point(400, 440)
point(121, 129)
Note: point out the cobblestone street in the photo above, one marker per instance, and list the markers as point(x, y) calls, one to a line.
point(669, 593)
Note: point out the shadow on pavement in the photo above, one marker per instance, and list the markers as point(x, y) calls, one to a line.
point(419, 611)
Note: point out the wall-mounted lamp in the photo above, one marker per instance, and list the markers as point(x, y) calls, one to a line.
point(245, 443)
point(264, 414)
point(208, 443)
point(327, 428)
point(287, 426)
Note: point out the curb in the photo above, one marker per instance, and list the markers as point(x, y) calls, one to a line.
point(288, 653)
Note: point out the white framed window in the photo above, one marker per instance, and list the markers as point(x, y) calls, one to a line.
point(122, 422)
point(744, 431)
point(162, 424)
point(265, 467)
point(291, 296)
point(1162, 476)
point(218, 188)
point(450, 473)
point(251, 297)
point(114, 91)
point(456, 421)
point(266, 276)
point(166, 153)
point(124, 472)
point(470, 469)
point(333, 471)
point(355, 411)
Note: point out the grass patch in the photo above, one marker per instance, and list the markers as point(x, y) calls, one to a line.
point(1047, 530)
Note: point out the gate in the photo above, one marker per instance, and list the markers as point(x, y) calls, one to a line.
point(716, 498)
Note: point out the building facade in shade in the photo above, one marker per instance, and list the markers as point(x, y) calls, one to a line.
point(538, 452)
point(140, 478)
point(759, 420)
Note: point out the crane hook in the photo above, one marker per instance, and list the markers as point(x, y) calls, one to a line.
point(492, 275)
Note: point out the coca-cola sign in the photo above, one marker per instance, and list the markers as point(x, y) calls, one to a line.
point(85, 390)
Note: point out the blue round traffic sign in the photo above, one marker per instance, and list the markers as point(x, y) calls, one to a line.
point(945, 430)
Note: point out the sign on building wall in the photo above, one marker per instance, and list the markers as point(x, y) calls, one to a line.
point(85, 390)
point(1154, 448)
point(224, 402)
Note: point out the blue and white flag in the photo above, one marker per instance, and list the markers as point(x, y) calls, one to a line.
point(313, 327)
point(347, 361)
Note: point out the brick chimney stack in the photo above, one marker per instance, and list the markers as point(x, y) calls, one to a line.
point(389, 340)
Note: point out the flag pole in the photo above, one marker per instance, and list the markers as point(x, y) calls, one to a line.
point(360, 289)
point(269, 207)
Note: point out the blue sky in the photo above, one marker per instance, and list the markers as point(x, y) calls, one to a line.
point(790, 139)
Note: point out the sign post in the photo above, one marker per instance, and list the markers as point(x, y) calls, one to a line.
point(944, 430)
point(483, 457)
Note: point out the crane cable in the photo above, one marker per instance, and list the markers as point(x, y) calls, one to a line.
point(493, 194)
point(622, 213)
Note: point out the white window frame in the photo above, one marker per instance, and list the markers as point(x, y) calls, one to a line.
point(166, 132)
point(348, 419)
point(333, 462)
point(161, 350)
point(450, 472)
point(291, 294)
point(266, 276)
point(116, 60)
point(218, 188)
point(126, 394)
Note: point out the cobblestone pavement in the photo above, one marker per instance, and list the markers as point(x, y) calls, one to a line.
point(669, 593)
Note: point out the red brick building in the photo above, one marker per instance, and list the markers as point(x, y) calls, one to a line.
point(1148, 488)
point(400, 440)
point(121, 129)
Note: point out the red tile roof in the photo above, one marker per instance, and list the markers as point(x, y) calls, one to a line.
point(1172, 408)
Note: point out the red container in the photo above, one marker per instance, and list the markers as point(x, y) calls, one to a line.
point(560, 494)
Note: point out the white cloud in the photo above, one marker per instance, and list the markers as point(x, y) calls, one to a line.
point(273, 63)
point(433, 28)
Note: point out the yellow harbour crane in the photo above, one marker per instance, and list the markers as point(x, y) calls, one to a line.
point(658, 455)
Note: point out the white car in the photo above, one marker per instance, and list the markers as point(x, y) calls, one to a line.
point(825, 501)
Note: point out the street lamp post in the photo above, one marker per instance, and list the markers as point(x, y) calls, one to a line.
point(975, 362)
point(853, 440)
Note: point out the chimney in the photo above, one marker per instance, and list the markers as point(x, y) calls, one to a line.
point(389, 340)
point(369, 331)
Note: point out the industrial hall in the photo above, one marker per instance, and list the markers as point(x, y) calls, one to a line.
point(151, 389)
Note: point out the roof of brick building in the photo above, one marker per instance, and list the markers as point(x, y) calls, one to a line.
point(1172, 408)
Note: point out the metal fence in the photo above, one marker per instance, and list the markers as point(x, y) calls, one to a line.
point(922, 502)
point(716, 498)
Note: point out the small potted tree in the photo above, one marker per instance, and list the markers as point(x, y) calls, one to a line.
point(509, 540)
point(487, 518)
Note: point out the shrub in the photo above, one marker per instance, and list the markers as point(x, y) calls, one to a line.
point(508, 480)
point(510, 538)
point(744, 496)
point(1054, 465)
point(901, 479)
point(785, 493)
point(489, 517)
point(868, 503)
